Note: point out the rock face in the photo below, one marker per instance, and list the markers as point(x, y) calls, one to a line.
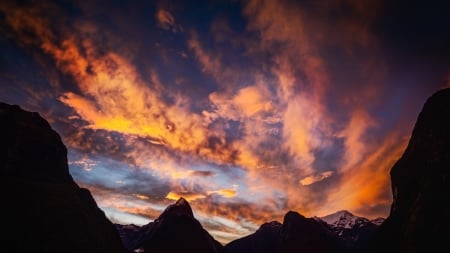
point(419, 220)
point(44, 210)
point(175, 230)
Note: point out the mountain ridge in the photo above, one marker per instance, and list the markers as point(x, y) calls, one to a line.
point(47, 211)
point(175, 229)
point(419, 220)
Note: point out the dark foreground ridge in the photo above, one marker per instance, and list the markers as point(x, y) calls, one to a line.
point(43, 209)
point(419, 220)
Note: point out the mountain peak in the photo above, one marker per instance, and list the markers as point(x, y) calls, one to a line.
point(179, 208)
point(181, 202)
point(292, 215)
point(30, 147)
point(272, 225)
point(293, 219)
point(343, 218)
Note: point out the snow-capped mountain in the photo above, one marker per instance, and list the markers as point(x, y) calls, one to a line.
point(345, 219)
point(378, 221)
point(353, 230)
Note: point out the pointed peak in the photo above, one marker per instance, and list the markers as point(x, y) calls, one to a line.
point(181, 202)
point(343, 218)
point(338, 215)
point(293, 217)
point(344, 213)
point(179, 208)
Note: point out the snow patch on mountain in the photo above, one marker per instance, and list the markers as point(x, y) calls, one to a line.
point(343, 219)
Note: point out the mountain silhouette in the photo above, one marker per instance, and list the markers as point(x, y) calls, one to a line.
point(267, 239)
point(419, 219)
point(353, 231)
point(296, 234)
point(43, 209)
point(175, 230)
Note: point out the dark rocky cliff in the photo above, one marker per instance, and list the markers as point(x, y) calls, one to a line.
point(419, 220)
point(43, 209)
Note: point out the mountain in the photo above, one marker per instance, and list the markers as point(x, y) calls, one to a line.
point(296, 234)
point(300, 234)
point(355, 232)
point(43, 209)
point(267, 239)
point(419, 219)
point(175, 230)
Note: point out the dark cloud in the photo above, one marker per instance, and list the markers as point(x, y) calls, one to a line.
point(203, 173)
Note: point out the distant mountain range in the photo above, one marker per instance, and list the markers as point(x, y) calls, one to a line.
point(46, 211)
point(337, 232)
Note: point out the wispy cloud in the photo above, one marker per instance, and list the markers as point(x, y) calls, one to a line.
point(315, 178)
point(166, 21)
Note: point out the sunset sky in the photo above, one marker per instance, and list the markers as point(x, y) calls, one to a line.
point(248, 109)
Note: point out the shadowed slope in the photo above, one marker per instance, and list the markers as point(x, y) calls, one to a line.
point(419, 220)
point(45, 210)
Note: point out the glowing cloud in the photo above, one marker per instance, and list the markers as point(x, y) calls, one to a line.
point(191, 197)
point(315, 178)
point(227, 193)
point(165, 19)
point(140, 196)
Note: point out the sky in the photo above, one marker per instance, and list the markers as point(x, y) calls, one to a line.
point(247, 109)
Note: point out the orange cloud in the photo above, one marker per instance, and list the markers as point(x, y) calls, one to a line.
point(227, 193)
point(247, 102)
point(140, 196)
point(367, 184)
point(315, 178)
point(355, 143)
point(186, 195)
point(210, 64)
point(165, 19)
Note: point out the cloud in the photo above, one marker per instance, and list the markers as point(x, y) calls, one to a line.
point(315, 178)
point(140, 196)
point(193, 196)
point(247, 102)
point(227, 193)
point(166, 21)
point(202, 173)
point(85, 163)
point(189, 196)
point(366, 186)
